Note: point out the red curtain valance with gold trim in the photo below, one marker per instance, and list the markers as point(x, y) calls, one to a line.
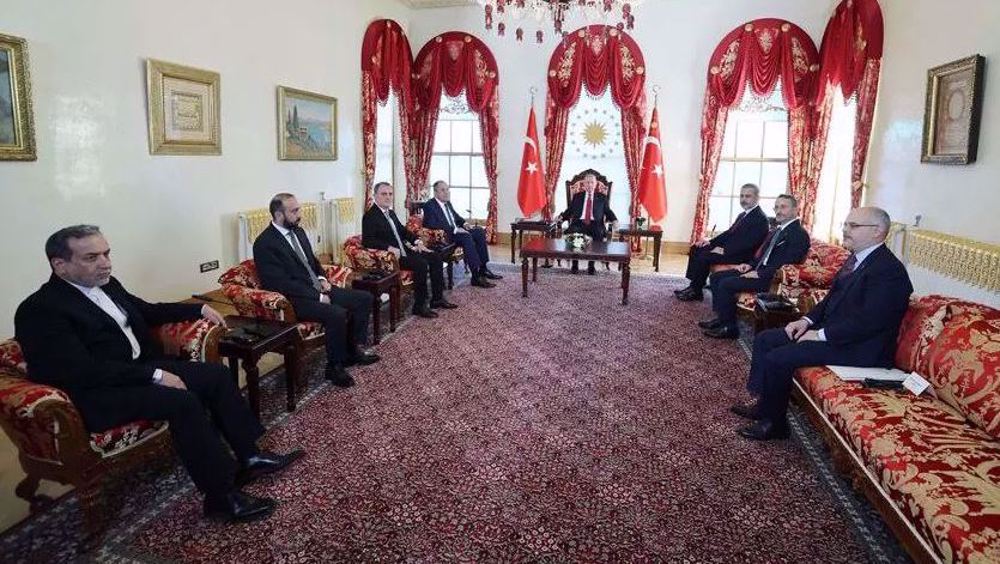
point(454, 62)
point(595, 57)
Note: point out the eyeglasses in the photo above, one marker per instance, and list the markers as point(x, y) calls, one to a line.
point(852, 226)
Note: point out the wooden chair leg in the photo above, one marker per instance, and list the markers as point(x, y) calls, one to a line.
point(90, 494)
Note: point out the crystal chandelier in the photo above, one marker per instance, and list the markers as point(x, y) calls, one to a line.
point(519, 14)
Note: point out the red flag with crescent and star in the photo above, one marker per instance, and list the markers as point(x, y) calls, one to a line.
point(531, 186)
point(652, 187)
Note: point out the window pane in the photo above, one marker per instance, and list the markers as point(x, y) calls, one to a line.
point(724, 179)
point(729, 141)
point(477, 139)
point(442, 137)
point(749, 138)
point(461, 136)
point(460, 201)
point(460, 173)
point(479, 172)
point(720, 213)
point(767, 206)
point(439, 169)
point(776, 140)
point(774, 179)
point(746, 172)
point(480, 204)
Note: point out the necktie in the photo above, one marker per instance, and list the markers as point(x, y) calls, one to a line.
point(739, 218)
point(588, 209)
point(447, 214)
point(848, 269)
point(302, 258)
point(772, 240)
point(392, 225)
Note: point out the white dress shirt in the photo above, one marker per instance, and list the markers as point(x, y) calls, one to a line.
point(860, 257)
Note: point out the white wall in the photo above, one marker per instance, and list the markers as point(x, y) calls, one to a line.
point(163, 215)
point(960, 200)
point(676, 36)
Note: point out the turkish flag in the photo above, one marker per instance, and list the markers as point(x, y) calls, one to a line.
point(531, 186)
point(652, 187)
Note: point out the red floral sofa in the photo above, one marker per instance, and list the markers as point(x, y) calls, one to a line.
point(929, 463)
point(53, 444)
point(242, 286)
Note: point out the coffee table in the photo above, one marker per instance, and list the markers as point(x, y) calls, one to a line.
point(279, 337)
point(517, 229)
point(654, 231)
point(618, 252)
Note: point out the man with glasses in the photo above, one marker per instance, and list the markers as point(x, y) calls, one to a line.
point(735, 245)
point(787, 244)
point(856, 324)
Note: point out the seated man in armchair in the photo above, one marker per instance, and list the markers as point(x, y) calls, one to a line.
point(440, 214)
point(84, 333)
point(587, 213)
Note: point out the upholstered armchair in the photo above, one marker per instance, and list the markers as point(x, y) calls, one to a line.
point(241, 285)
point(814, 276)
point(364, 259)
point(53, 443)
point(575, 185)
point(434, 238)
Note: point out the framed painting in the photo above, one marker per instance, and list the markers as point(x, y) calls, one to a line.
point(307, 126)
point(952, 112)
point(183, 105)
point(17, 124)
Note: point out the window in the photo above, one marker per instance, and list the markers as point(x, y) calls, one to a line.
point(458, 158)
point(385, 141)
point(833, 196)
point(594, 140)
point(754, 150)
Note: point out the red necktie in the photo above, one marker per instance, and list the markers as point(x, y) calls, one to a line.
point(588, 209)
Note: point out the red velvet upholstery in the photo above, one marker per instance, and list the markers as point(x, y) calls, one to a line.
point(363, 259)
point(936, 458)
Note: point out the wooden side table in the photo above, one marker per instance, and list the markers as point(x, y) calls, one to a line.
point(764, 319)
point(269, 336)
point(654, 231)
point(376, 287)
point(517, 229)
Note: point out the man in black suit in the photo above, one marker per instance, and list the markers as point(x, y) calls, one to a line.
point(381, 229)
point(735, 245)
point(587, 213)
point(440, 214)
point(83, 333)
point(788, 243)
point(286, 264)
point(856, 324)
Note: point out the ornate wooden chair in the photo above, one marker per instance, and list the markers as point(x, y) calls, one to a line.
point(575, 185)
point(53, 444)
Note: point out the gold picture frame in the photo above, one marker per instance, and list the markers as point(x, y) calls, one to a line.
point(952, 111)
point(184, 110)
point(17, 122)
point(307, 126)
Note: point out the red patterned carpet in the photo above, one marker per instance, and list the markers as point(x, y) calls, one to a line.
point(559, 427)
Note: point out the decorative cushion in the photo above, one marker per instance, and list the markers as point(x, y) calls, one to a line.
point(119, 439)
point(938, 470)
point(11, 357)
point(922, 323)
point(964, 367)
point(243, 274)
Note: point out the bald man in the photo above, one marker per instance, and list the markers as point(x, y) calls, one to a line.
point(856, 324)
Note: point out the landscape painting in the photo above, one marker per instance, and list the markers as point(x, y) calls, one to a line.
point(17, 130)
point(6, 101)
point(307, 125)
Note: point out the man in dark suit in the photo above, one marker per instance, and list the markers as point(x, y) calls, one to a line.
point(735, 245)
point(381, 229)
point(440, 214)
point(83, 333)
point(587, 213)
point(856, 324)
point(788, 243)
point(286, 264)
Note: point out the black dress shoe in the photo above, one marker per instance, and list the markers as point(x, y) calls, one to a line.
point(746, 410)
point(764, 430)
point(425, 312)
point(682, 291)
point(482, 282)
point(338, 376)
point(491, 275)
point(363, 358)
point(265, 463)
point(691, 296)
point(722, 332)
point(237, 506)
point(442, 304)
point(710, 324)
point(591, 270)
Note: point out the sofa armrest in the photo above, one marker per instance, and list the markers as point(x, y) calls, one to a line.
point(806, 275)
point(191, 340)
point(365, 259)
point(262, 304)
point(41, 420)
point(432, 236)
point(338, 275)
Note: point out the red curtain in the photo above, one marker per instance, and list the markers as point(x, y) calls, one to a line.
point(386, 61)
point(755, 56)
point(595, 57)
point(455, 62)
point(852, 59)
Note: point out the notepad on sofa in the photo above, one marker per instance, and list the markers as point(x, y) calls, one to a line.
point(858, 374)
